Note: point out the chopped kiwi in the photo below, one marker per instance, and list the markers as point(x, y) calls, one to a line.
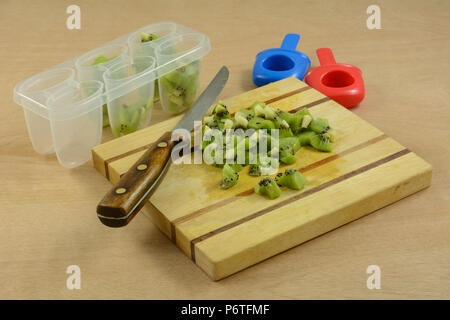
point(268, 187)
point(321, 142)
point(105, 115)
point(129, 118)
point(331, 134)
point(287, 154)
point(305, 138)
point(303, 112)
point(236, 167)
point(294, 120)
point(285, 132)
point(146, 37)
point(257, 104)
point(260, 123)
point(229, 177)
point(255, 170)
point(319, 125)
point(256, 123)
point(101, 59)
point(247, 114)
point(291, 178)
point(241, 121)
point(261, 168)
point(295, 130)
point(291, 141)
point(179, 87)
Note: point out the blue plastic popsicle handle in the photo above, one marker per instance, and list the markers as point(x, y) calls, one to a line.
point(290, 41)
point(279, 63)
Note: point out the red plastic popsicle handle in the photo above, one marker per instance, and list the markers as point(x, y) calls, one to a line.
point(325, 56)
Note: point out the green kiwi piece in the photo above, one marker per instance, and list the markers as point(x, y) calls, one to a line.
point(260, 123)
point(319, 125)
point(296, 123)
point(255, 170)
point(101, 59)
point(259, 169)
point(294, 120)
point(332, 134)
point(105, 115)
point(291, 178)
point(246, 113)
point(256, 123)
point(236, 167)
point(181, 87)
point(305, 138)
point(294, 142)
point(257, 103)
point(287, 154)
point(146, 37)
point(268, 124)
point(220, 109)
point(268, 188)
point(189, 95)
point(285, 132)
point(129, 118)
point(303, 112)
point(233, 166)
point(321, 141)
point(229, 177)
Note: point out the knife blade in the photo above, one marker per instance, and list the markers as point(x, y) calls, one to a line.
point(122, 202)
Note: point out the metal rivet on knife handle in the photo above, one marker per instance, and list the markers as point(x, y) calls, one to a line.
point(142, 167)
point(162, 144)
point(121, 190)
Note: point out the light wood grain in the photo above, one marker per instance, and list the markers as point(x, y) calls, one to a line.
point(197, 212)
point(49, 220)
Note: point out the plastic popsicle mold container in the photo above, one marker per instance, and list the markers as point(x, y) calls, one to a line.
point(62, 110)
point(339, 81)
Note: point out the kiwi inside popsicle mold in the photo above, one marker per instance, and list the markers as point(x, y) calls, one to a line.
point(179, 87)
point(129, 118)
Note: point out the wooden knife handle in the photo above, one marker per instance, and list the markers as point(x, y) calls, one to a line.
point(136, 186)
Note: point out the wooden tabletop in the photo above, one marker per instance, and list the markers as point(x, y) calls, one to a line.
point(48, 212)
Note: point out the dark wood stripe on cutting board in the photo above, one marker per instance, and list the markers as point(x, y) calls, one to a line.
point(296, 197)
point(248, 192)
point(286, 95)
point(312, 104)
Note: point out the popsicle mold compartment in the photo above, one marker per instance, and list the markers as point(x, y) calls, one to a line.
point(132, 110)
point(36, 91)
point(76, 121)
point(279, 63)
point(179, 87)
point(339, 81)
point(158, 33)
point(62, 118)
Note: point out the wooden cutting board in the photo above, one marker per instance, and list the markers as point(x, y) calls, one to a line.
point(225, 231)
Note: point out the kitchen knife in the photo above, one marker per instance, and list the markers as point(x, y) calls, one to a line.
point(135, 187)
